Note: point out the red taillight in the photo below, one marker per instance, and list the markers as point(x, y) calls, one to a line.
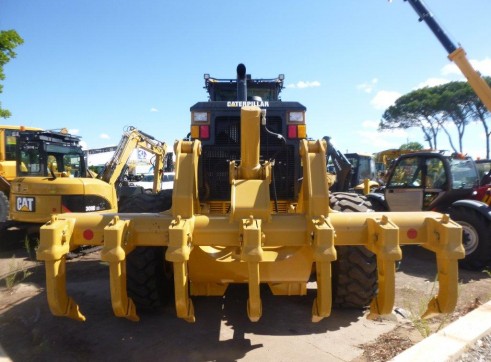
point(204, 132)
point(292, 131)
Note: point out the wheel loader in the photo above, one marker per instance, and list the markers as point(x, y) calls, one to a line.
point(251, 205)
point(354, 172)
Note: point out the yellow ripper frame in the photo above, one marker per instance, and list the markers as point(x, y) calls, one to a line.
point(251, 244)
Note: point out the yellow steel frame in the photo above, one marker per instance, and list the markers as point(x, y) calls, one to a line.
point(251, 245)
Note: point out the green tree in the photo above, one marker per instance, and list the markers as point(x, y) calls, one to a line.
point(433, 109)
point(481, 114)
point(9, 39)
point(418, 108)
point(454, 100)
point(412, 146)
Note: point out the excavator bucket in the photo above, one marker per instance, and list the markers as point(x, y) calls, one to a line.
point(251, 242)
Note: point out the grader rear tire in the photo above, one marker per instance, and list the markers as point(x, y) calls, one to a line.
point(354, 273)
point(146, 202)
point(149, 276)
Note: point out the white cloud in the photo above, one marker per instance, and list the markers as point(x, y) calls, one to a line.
point(74, 131)
point(83, 144)
point(104, 136)
point(370, 124)
point(483, 66)
point(367, 87)
point(153, 109)
point(432, 82)
point(304, 84)
point(383, 140)
point(384, 99)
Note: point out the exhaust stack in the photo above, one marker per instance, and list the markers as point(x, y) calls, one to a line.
point(241, 83)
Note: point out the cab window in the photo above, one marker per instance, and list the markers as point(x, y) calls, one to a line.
point(407, 173)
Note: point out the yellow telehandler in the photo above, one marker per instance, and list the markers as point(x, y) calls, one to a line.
point(251, 204)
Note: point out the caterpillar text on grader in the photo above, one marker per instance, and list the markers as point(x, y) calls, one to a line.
point(251, 204)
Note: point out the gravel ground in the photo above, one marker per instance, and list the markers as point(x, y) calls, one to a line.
point(480, 351)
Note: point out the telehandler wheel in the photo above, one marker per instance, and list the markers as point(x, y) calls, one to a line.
point(4, 207)
point(354, 274)
point(149, 277)
point(476, 237)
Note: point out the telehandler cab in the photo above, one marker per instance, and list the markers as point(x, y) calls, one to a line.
point(251, 204)
point(447, 184)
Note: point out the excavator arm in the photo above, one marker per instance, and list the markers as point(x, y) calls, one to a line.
point(342, 166)
point(455, 54)
point(132, 139)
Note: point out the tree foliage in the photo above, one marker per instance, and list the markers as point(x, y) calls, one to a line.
point(415, 109)
point(434, 109)
point(9, 39)
point(412, 146)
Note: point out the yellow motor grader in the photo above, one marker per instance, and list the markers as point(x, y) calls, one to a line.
point(251, 204)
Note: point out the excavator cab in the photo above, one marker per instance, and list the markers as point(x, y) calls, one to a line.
point(50, 153)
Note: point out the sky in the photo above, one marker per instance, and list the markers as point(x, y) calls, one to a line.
point(95, 67)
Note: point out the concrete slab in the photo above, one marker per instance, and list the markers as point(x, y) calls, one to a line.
point(449, 343)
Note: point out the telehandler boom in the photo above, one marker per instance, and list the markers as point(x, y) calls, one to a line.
point(455, 54)
point(251, 204)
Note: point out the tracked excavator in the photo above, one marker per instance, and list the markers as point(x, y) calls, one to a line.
point(52, 178)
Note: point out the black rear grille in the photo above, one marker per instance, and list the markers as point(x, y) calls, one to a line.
point(214, 160)
point(227, 131)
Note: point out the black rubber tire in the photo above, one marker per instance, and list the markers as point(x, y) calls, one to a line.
point(4, 207)
point(476, 237)
point(376, 204)
point(354, 273)
point(349, 202)
point(146, 202)
point(149, 277)
point(149, 282)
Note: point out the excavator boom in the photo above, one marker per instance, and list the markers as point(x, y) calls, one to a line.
point(132, 139)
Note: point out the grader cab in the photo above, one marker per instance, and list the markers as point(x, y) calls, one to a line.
point(251, 204)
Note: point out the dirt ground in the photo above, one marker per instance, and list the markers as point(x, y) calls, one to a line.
point(222, 332)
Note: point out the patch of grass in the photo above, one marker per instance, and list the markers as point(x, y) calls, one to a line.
point(16, 274)
point(31, 244)
point(426, 326)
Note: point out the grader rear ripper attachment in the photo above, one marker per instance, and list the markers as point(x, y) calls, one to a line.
point(273, 224)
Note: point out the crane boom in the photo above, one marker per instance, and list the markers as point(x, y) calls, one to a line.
point(455, 54)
